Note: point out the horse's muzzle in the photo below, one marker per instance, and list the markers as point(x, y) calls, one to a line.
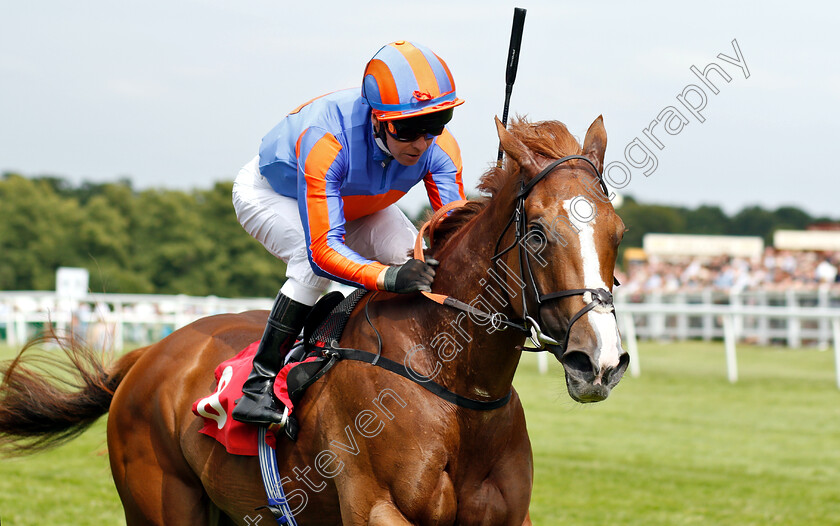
point(585, 382)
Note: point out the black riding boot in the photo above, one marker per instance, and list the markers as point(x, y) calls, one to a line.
point(257, 405)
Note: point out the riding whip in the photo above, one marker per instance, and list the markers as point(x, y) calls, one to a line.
point(512, 66)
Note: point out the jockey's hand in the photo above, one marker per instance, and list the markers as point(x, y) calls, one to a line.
point(412, 276)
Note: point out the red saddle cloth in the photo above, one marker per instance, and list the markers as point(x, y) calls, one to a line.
point(238, 438)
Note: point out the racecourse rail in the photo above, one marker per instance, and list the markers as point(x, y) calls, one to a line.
point(794, 318)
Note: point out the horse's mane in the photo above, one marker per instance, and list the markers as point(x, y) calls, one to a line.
point(550, 139)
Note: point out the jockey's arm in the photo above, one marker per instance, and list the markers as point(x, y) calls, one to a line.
point(323, 163)
point(443, 181)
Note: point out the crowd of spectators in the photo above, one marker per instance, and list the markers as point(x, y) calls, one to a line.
point(775, 270)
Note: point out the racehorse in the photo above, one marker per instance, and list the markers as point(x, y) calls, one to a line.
point(534, 255)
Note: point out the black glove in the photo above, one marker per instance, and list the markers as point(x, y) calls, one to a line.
point(411, 276)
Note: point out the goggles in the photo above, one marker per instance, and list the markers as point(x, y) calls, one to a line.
point(428, 125)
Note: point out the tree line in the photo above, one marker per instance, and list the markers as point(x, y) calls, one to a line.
point(151, 241)
point(710, 220)
point(160, 241)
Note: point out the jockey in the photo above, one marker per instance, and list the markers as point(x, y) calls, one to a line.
point(320, 195)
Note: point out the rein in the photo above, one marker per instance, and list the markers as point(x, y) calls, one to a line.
point(497, 320)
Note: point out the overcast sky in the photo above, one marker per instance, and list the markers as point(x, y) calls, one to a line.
point(178, 93)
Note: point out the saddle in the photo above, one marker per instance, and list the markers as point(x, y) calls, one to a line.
point(305, 363)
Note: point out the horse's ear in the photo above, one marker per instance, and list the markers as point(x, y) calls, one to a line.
point(595, 143)
point(516, 150)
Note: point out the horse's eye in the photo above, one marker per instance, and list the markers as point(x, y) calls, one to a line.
point(536, 234)
point(536, 226)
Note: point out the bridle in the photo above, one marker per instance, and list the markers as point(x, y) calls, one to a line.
point(596, 298)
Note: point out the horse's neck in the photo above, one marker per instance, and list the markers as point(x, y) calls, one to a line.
point(486, 359)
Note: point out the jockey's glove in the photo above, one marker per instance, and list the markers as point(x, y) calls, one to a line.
point(412, 276)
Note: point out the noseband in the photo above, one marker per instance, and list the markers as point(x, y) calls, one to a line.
point(596, 298)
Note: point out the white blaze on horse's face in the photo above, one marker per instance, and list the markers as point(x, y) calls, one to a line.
point(583, 215)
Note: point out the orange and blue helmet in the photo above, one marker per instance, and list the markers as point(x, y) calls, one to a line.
point(405, 79)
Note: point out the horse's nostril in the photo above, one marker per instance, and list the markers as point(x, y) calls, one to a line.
point(580, 365)
point(613, 375)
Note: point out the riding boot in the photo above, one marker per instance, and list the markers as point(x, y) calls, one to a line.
point(257, 405)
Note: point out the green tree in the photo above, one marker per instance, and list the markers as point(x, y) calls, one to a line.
point(170, 245)
point(155, 241)
point(37, 235)
point(239, 265)
point(708, 220)
point(753, 221)
point(792, 218)
point(641, 219)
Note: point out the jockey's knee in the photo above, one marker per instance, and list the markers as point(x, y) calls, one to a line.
point(306, 293)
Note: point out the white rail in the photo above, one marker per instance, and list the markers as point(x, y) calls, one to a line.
point(113, 319)
point(795, 318)
point(760, 326)
point(730, 317)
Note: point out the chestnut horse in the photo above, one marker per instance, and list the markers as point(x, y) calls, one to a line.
point(375, 448)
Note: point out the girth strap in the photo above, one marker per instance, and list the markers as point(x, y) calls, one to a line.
point(434, 388)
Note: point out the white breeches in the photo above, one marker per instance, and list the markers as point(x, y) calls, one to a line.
point(272, 219)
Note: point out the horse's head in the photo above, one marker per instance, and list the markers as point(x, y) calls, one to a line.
point(568, 239)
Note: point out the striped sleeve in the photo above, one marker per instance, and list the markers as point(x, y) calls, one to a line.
point(443, 181)
point(321, 168)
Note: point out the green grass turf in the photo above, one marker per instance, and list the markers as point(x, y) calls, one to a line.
point(68, 485)
point(678, 445)
point(681, 445)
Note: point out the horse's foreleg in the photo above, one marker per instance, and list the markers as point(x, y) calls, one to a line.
point(527, 519)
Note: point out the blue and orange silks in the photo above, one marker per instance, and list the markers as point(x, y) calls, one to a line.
point(324, 155)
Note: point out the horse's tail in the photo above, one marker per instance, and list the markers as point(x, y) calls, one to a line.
point(46, 401)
